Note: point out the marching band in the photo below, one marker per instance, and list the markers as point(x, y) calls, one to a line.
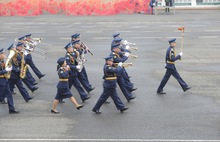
point(14, 71)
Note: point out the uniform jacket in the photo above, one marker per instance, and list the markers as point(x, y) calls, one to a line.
point(171, 58)
point(71, 61)
point(118, 57)
point(63, 75)
point(110, 72)
point(2, 72)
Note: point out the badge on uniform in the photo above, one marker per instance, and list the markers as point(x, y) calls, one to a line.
point(61, 72)
point(67, 58)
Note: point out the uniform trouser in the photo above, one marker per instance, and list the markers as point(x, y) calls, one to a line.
point(34, 68)
point(73, 80)
point(83, 78)
point(30, 77)
point(166, 77)
point(122, 85)
point(22, 90)
point(106, 93)
point(5, 92)
point(28, 83)
point(128, 83)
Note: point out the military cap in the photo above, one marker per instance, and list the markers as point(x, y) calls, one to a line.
point(115, 35)
point(1, 50)
point(19, 44)
point(11, 46)
point(116, 45)
point(109, 58)
point(172, 40)
point(75, 35)
point(117, 40)
point(75, 42)
point(61, 60)
point(21, 38)
point(68, 45)
point(28, 35)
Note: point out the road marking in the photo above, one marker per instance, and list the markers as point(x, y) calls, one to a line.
point(64, 38)
point(102, 38)
point(88, 26)
point(212, 30)
point(64, 32)
point(93, 31)
point(9, 32)
point(151, 31)
point(208, 36)
point(114, 140)
point(38, 32)
point(123, 31)
point(144, 37)
point(113, 26)
point(173, 37)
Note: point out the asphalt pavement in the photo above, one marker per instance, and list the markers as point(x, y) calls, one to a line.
point(176, 116)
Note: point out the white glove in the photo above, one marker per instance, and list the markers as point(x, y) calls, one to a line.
point(125, 42)
point(181, 54)
point(120, 64)
point(35, 43)
point(126, 54)
point(127, 47)
point(78, 66)
point(8, 68)
point(25, 53)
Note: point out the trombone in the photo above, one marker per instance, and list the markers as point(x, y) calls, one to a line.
point(132, 56)
point(124, 64)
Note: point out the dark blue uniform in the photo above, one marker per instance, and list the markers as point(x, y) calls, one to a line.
point(109, 86)
point(124, 75)
point(4, 87)
point(73, 78)
point(16, 80)
point(63, 90)
point(171, 70)
point(83, 77)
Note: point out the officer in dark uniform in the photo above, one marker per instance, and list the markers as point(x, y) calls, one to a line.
point(63, 90)
point(4, 85)
point(171, 69)
point(109, 85)
point(117, 58)
point(115, 36)
point(29, 59)
point(15, 75)
point(71, 60)
point(82, 76)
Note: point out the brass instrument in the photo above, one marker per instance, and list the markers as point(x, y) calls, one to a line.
point(125, 42)
point(124, 64)
point(131, 55)
point(11, 54)
point(79, 61)
point(24, 67)
point(133, 48)
point(86, 48)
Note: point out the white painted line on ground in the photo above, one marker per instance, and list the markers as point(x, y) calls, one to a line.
point(64, 32)
point(180, 31)
point(169, 25)
point(145, 37)
point(9, 32)
point(93, 31)
point(113, 26)
point(123, 31)
point(208, 36)
point(88, 26)
point(151, 31)
point(212, 30)
point(173, 37)
point(114, 140)
point(65, 38)
point(102, 38)
point(38, 32)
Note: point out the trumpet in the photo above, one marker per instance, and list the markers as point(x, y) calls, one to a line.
point(132, 56)
point(125, 42)
point(86, 48)
point(128, 47)
point(37, 39)
point(124, 64)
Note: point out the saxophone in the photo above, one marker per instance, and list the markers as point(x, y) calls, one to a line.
point(8, 64)
point(24, 67)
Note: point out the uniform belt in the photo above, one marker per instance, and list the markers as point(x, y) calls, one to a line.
point(64, 79)
point(2, 76)
point(169, 62)
point(111, 78)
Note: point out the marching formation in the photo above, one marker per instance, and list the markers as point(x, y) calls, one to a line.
point(15, 71)
point(71, 71)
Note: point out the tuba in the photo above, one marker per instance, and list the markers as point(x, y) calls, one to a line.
point(11, 54)
point(24, 67)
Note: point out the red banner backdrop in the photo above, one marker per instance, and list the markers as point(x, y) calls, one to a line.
point(82, 7)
